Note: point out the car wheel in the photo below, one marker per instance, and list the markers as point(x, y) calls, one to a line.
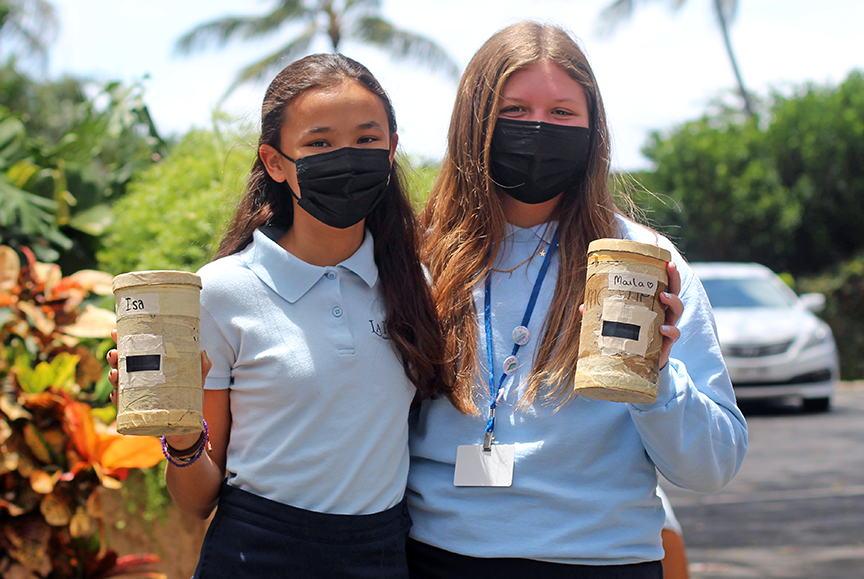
point(816, 404)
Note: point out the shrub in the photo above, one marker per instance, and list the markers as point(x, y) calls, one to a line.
point(57, 449)
point(175, 212)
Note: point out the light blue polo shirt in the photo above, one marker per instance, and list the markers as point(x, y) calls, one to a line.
point(319, 400)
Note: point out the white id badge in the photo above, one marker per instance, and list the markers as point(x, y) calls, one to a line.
point(476, 467)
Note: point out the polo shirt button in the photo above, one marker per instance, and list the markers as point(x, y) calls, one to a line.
point(337, 311)
point(331, 275)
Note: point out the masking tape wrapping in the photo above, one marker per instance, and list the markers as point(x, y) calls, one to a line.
point(158, 326)
point(619, 350)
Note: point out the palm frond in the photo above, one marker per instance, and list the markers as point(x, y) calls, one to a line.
point(216, 33)
point(268, 66)
point(729, 9)
point(404, 45)
point(31, 213)
point(614, 15)
point(371, 5)
point(31, 24)
point(221, 31)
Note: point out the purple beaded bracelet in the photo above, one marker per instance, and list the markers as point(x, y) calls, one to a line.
point(184, 462)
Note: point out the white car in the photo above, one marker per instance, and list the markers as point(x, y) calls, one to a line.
point(773, 343)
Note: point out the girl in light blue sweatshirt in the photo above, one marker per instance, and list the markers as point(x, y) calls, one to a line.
point(571, 491)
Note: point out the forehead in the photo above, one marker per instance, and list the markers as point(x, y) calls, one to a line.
point(542, 79)
point(348, 102)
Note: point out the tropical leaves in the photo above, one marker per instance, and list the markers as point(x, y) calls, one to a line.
point(22, 214)
point(56, 444)
point(337, 20)
point(64, 158)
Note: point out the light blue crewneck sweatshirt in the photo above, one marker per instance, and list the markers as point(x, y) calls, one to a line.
point(585, 477)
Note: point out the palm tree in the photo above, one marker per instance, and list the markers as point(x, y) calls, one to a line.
point(338, 20)
point(725, 10)
point(27, 27)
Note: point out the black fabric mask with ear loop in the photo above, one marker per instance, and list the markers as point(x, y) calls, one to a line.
point(534, 161)
point(341, 188)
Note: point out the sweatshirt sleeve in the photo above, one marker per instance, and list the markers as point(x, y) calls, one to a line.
point(694, 431)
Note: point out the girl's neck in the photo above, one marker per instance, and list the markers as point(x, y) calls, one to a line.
point(525, 214)
point(315, 243)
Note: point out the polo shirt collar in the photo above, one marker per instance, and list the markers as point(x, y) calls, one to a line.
point(291, 277)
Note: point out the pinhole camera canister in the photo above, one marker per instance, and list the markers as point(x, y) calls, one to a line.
point(159, 347)
point(619, 344)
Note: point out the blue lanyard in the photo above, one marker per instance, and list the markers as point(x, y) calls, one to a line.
point(487, 313)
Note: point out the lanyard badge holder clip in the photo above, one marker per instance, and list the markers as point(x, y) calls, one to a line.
point(490, 435)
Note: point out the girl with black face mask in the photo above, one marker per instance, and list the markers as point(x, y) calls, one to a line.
point(320, 331)
point(513, 475)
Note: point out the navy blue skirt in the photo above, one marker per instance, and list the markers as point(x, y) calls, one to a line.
point(253, 537)
point(428, 562)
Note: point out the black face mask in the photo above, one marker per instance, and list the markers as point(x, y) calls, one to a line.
point(534, 161)
point(341, 188)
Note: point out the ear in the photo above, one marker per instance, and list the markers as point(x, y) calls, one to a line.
point(394, 141)
point(272, 162)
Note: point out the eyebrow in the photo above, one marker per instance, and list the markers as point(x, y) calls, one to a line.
point(519, 99)
point(362, 127)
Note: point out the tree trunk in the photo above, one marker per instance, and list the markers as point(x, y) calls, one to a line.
point(724, 27)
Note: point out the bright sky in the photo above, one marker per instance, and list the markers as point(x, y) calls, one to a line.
point(657, 70)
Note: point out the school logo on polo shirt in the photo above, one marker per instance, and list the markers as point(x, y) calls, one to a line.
point(379, 329)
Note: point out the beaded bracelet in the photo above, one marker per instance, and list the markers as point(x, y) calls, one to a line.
point(190, 460)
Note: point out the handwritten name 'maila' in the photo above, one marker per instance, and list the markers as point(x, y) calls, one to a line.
point(634, 282)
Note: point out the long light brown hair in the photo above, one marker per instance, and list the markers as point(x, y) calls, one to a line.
point(464, 219)
point(411, 320)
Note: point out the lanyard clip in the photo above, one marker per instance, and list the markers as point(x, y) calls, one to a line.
point(490, 426)
point(487, 441)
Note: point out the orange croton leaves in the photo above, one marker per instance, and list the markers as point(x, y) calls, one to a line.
point(108, 453)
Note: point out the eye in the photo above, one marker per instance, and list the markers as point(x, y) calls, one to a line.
point(562, 112)
point(367, 140)
point(512, 109)
point(318, 144)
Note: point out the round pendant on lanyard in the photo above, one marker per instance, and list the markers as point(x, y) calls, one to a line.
point(511, 364)
point(521, 335)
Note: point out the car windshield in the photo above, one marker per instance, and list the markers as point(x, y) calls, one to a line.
point(745, 293)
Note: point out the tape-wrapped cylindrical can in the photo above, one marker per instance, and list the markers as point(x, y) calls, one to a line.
point(619, 344)
point(159, 348)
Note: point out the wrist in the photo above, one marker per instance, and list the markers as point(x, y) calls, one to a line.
point(184, 445)
point(186, 456)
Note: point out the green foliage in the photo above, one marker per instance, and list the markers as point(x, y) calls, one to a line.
point(145, 497)
point(817, 139)
point(843, 287)
point(783, 191)
point(418, 180)
point(59, 373)
point(23, 215)
point(64, 157)
point(175, 212)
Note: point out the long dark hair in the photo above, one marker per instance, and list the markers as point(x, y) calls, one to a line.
point(465, 220)
point(411, 321)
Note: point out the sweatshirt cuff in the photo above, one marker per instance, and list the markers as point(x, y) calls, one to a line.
point(666, 391)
